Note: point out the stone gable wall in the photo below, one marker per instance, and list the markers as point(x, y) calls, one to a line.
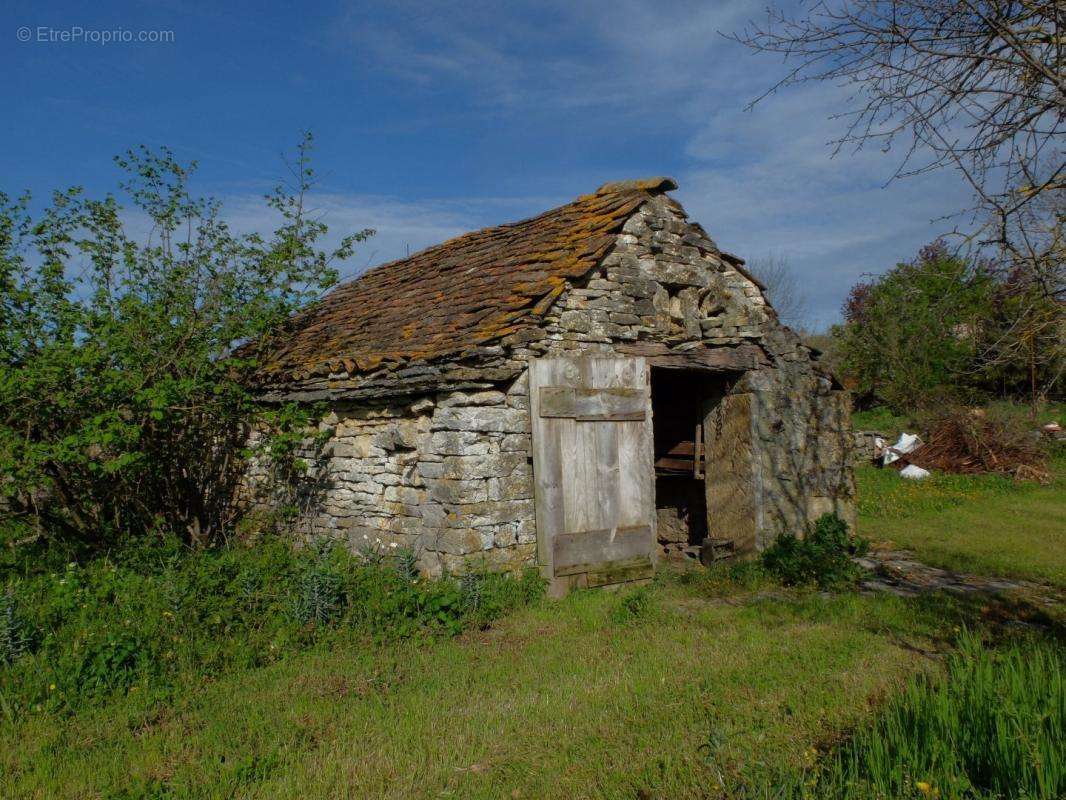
point(450, 474)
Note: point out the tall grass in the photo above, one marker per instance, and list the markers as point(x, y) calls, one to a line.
point(152, 617)
point(992, 724)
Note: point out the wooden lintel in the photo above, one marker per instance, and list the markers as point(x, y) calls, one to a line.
point(736, 358)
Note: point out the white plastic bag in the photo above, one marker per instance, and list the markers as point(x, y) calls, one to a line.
point(907, 443)
point(914, 472)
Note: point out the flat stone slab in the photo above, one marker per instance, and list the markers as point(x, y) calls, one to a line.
point(898, 572)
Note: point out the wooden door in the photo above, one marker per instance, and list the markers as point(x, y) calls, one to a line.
point(593, 470)
point(729, 476)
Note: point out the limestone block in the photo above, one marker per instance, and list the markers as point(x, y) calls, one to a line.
point(489, 513)
point(674, 273)
point(488, 466)
point(459, 443)
point(526, 530)
point(422, 406)
point(457, 541)
point(458, 491)
point(482, 418)
point(520, 385)
point(518, 486)
point(505, 536)
point(490, 398)
point(403, 494)
point(577, 321)
point(516, 442)
point(430, 470)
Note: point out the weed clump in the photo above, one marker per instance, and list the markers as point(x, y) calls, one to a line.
point(633, 607)
point(823, 558)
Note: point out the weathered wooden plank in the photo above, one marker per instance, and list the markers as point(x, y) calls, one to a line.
point(547, 463)
point(603, 566)
point(592, 404)
point(593, 477)
point(594, 547)
point(635, 569)
point(677, 464)
point(636, 458)
point(608, 373)
point(729, 470)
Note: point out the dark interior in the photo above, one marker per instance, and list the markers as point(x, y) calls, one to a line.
point(679, 400)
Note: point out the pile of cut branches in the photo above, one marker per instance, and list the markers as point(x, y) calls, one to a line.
point(974, 442)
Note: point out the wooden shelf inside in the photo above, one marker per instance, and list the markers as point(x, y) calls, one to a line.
point(684, 458)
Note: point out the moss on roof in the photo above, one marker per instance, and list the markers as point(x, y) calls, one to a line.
point(467, 292)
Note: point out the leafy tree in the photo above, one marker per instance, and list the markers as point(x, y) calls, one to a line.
point(123, 408)
point(910, 337)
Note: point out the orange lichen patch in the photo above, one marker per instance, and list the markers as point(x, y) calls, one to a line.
point(470, 291)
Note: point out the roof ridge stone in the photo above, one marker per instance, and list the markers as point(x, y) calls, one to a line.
point(659, 183)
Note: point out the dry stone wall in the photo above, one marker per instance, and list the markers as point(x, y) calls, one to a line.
point(447, 477)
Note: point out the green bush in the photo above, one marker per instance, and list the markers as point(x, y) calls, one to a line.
point(124, 407)
point(148, 617)
point(822, 558)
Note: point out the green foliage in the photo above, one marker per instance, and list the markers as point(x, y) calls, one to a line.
point(124, 409)
point(14, 632)
point(946, 328)
point(822, 558)
point(883, 420)
point(910, 335)
point(319, 589)
point(992, 725)
point(148, 616)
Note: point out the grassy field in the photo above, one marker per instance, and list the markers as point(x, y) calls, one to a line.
point(595, 696)
point(705, 684)
point(985, 524)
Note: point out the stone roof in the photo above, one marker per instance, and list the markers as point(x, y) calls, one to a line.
point(468, 292)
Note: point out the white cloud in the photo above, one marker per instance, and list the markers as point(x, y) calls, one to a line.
point(766, 182)
point(761, 182)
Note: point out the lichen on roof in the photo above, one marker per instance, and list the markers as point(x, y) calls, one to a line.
point(467, 292)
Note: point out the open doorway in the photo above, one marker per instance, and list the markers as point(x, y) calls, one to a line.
point(680, 401)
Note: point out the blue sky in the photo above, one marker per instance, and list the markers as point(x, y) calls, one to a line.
point(434, 118)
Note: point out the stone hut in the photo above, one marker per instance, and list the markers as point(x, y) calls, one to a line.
point(588, 391)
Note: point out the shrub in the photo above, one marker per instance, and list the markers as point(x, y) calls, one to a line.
point(153, 615)
point(822, 558)
point(124, 408)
